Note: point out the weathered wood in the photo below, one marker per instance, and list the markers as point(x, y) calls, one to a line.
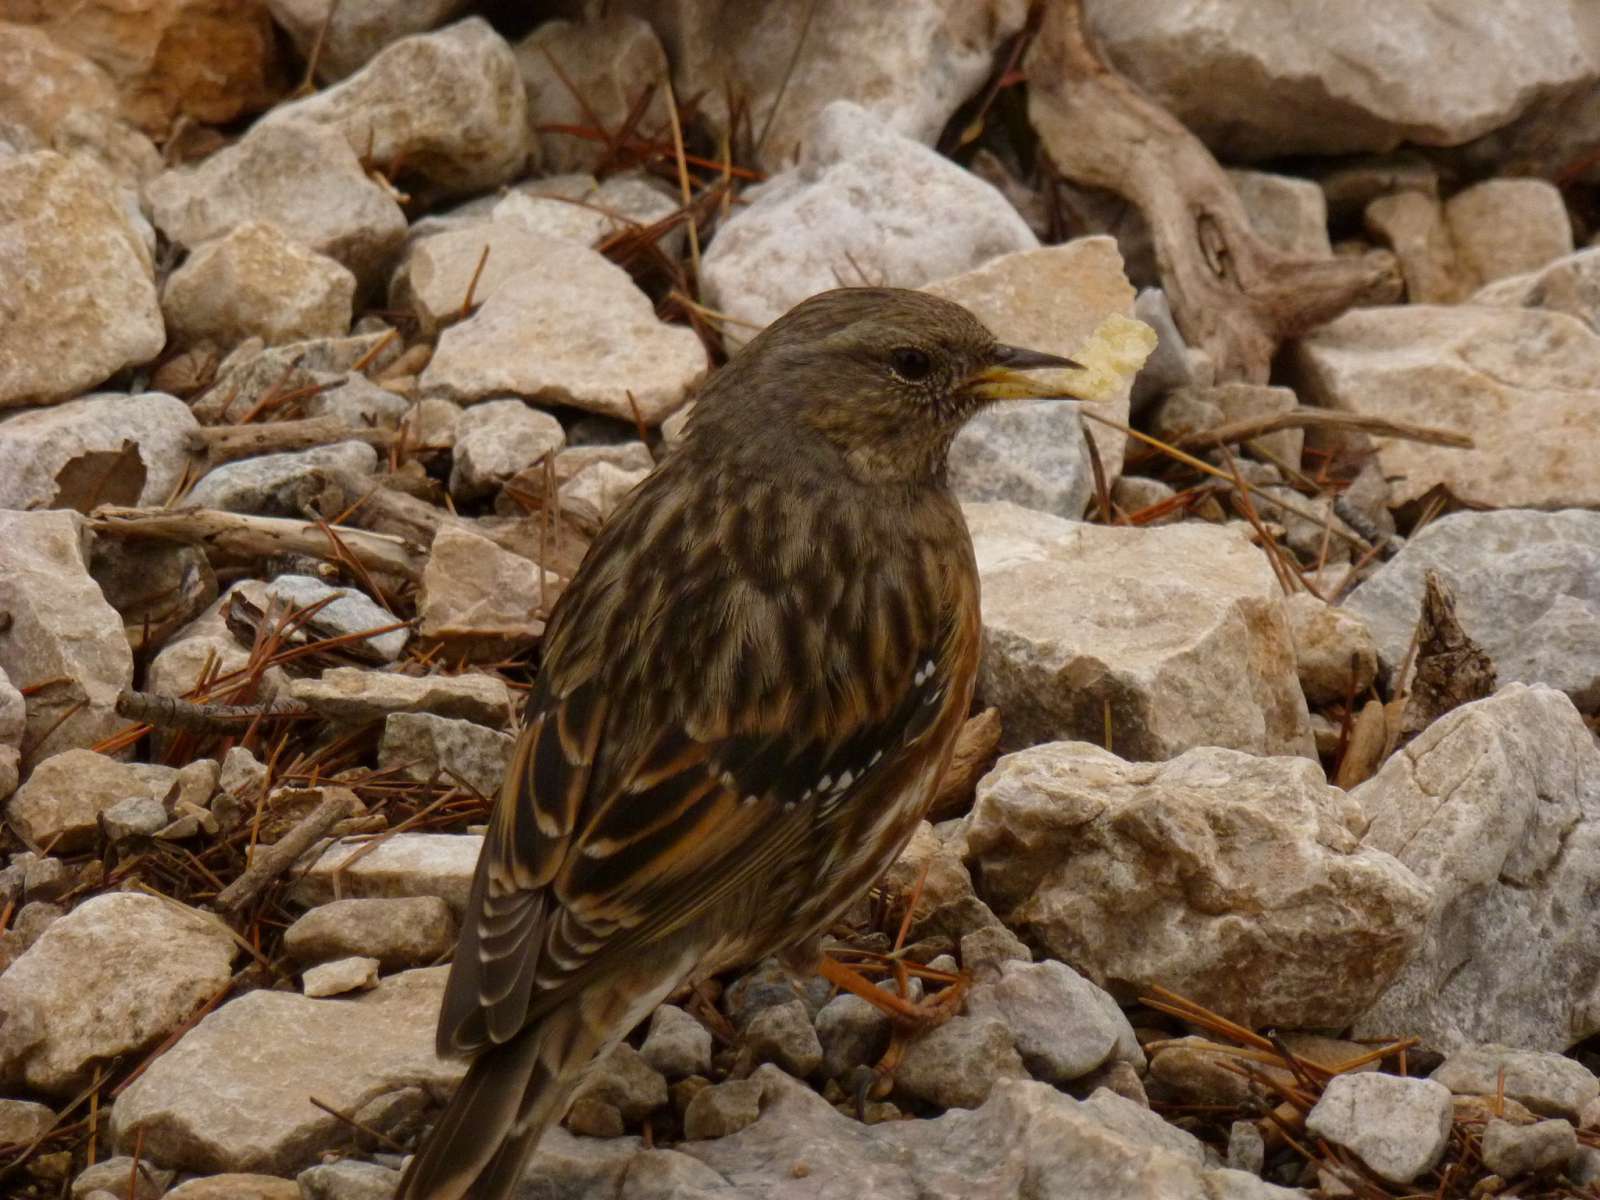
point(228, 443)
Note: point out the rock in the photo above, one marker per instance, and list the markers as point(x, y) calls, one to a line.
point(340, 976)
point(594, 493)
point(13, 720)
point(112, 977)
point(767, 984)
point(626, 1082)
point(1256, 899)
point(80, 301)
point(255, 282)
point(148, 49)
point(577, 74)
point(135, 816)
point(1525, 383)
point(571, 329)
point(1027, 1139)
point(497, 439)
point(1189, 410)
point(1399, 1127)
point(348, 1179)
point(1548, 1083)
point(403, 864)
point(347, 611)
point(304, 179)
point(1569, 285)
point(205, 643)
point(1063, 1026)
point(1496, 808)
point(112, 1177)
point(448, 105)
point(347, 33)
point(1050, 299)
point(280, 485)
point(1334, 653)
point(958, 1063)
point(479, 597)
point(255, 372)
point(400, 932)
point(1247, 1149)
point(722, 1108)
point(1511, 1150)
point(60, 628)
point(21, 1121)
point(61, 803)
point(359, 403)
point(1527, 590)
point(865, 204)
point(236, 1186)
point(1173, 363)
point(1312, 81)
point(422, 746)
point(910, 69)
point(1076, 625)
point(1505, 227)
point(55, 99)
point(1287, 213)
point(232, 1094)
point(355, 696)
point(677, 1045)
point(578, 209)
point(852, 1034)
point(434, 279)
point(110, 448)
point(1412, 224)
point(782, 1034)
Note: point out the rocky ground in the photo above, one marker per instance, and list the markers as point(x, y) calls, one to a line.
point(329, 334)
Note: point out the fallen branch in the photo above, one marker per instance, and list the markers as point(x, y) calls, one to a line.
point(227, 443)
point(1325, 418)
point(247, 538)
point(172, 712)
point(1231, 294)
point(337, 805)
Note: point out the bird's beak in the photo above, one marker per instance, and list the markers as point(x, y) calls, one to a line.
point(1003, 379)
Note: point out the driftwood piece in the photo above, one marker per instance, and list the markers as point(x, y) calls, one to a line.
point(272, 861)
point(1231, 294)
point(172, 712)
point(227, 443)
point(975, 748)
point(242, 537)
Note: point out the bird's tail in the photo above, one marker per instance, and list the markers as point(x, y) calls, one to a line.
point(512, 1092)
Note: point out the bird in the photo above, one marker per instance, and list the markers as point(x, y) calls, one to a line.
point(746, 697)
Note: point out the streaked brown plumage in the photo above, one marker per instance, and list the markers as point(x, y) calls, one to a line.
point(748, 694)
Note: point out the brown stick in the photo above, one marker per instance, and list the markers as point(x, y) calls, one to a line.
point(975, 749)
point(226, 443)
point(241, 536)
point(1325, 418)
point(337, 804)
point(1231, 293)
point(172, 712)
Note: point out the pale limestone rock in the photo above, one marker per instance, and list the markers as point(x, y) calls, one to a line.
point(348, 33)
point(1526, 586)
point(342, 975)
point(61, 802)
point(1399, 1127)
point(594, 492)
point(60, 628)
point(1412, 224)
point(449, 105)
point(571, 329)
point(132, 449)
point(112, 977)
point(577, 73)
point(422, 746)
point(1049, 299)
point(236, 1186)
point(1315, 79)
point(13, 720)
point(77, 294)
point(434, 278)
point(1524, 383)
point(910, 66)
point(865, 204)
point(1196, 652)
point(1545, 1081)
point(304, 179)
point(1511, 1151)
point(355, 696)
point(404, 864)
point(280, 485)
point(405, 931)
point(478, 595)
point(497, 439)
point(1287, 213)
point(233, 1094)
point(1496, 808)
point(1335, 655)
point(1570, 284)
point(1255, 896)
point(255, 282)
point(1063, 1025)
point(1505, 227)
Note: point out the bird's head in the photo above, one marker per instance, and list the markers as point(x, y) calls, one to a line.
point(886, 376)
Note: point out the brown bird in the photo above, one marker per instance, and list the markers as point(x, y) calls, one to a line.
point(749, 692)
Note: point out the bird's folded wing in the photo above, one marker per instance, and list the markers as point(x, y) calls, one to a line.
point(570, 884)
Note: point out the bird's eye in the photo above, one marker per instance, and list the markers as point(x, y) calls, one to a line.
point(911, 364)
